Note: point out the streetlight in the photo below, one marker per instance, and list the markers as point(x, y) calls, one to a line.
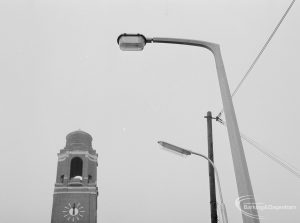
point(134, 42)
point(182, 151)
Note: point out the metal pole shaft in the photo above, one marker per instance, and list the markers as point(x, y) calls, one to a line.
point(237, 151)
point(212, 187)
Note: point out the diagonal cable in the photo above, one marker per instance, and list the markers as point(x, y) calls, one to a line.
point(269, 154)
point(272, 156)
point(260, 53)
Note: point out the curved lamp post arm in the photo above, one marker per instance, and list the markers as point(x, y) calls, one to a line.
point(208, 45)
point(223, 207)
point(216, 171)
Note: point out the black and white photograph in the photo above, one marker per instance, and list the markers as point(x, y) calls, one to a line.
point(143, 111)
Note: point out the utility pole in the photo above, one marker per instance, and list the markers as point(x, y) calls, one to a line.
point(212, 187)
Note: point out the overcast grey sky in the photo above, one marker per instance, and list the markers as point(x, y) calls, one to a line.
point(61, 70)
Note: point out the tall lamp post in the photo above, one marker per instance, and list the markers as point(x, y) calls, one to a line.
point(182, 151)
point(136, 42)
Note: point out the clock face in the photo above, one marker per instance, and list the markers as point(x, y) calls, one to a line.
point(73, 212)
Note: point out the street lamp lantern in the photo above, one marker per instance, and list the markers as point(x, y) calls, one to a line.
point(173, 148)
point(132, 42)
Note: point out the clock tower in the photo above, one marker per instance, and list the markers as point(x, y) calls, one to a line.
point(75, 192)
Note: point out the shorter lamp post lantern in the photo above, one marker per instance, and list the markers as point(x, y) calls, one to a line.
point(182, 151)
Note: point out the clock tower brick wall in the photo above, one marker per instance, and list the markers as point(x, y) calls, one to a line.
point(76, 192)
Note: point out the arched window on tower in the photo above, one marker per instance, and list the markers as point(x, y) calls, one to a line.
point(76, 168)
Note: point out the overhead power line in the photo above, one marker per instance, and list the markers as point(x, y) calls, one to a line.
point(260, 53)
point(272, 156)
point(269, 154)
